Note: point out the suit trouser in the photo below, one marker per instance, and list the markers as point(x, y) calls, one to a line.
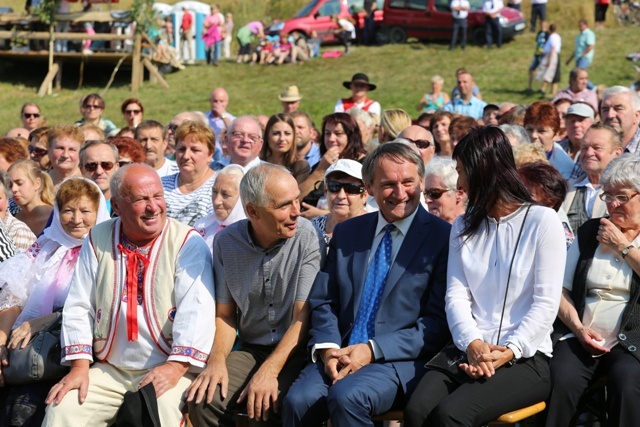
point(241, 365)
point(459, 27)
point(573, 369)
point(492, 26)
point(107, 386)
point(440, 401)
point(350, 402)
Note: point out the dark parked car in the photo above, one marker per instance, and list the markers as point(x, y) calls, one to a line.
point(431, 20)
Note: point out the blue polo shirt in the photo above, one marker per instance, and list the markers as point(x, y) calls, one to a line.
point(473, 108)
point(313, 156)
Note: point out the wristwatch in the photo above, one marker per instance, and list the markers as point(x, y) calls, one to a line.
point(626, 251)
point(517, 353)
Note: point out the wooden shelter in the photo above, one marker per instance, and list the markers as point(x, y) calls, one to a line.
point(133, 57)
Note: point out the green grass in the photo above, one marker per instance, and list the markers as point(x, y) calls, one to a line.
point(402, 73)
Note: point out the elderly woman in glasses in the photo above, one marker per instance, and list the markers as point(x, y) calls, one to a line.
point(91, 108)
point(133, 112)
point(31, 116)
point(443, 197)
point(599, 332)
point(345, 193)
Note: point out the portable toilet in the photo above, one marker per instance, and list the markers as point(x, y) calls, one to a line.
point(199, 11)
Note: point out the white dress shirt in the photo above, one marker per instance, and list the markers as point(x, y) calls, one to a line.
point(478, 272)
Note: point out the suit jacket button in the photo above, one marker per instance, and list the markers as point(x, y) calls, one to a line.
point(622, 337)
point(632, 348)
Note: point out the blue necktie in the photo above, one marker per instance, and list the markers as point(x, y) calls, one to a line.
point(364, 327)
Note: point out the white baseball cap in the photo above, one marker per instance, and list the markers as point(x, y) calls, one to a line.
point(350, 167)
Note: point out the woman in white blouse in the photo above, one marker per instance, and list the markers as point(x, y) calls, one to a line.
point(599, 333)
point(506, 259)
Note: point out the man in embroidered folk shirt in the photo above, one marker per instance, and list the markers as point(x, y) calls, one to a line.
point(136, 334)
point(264, 267)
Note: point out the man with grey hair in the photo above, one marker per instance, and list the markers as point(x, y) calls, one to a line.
point(138, 312)
point(264, 267)
point(98, 162)
point(377, 313)
point(516, 134)
point(243, 143)
point(620, 108)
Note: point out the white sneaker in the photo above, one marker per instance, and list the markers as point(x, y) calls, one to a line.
point(87, 51)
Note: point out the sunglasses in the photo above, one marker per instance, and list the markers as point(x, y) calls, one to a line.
point(134, 112)
point(92, 166)
point(349, 188)
point(435, 193)
point(172, 127)
point(122, 163)
point(31, 115)
point(37, 151)
point(420, 143)
point(90, 107)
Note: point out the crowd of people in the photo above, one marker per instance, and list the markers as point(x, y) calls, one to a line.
point(223, 266)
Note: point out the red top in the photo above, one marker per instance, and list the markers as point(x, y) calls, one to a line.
point(187, 19)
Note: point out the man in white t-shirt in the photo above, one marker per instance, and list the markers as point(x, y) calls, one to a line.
point(491, 10)
point(153, 137)
point(459, 12)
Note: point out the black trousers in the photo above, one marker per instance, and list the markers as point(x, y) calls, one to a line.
point(440, 401)
point(459, 27)
point(492, 27)
point(572, 370)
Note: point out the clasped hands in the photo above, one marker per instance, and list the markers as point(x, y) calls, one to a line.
point(483, 359)
point(340, 362)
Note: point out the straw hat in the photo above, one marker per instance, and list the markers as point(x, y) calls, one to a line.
point(290, 94)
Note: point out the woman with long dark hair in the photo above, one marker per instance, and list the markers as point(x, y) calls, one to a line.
point(341, 139)
point(506, 261)
point(280, 146)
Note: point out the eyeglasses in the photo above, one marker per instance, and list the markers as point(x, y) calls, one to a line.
point(122, 163)
point(172, 127)
point(93, 166)
point(31, 115)
point(420, 143)
point(134, 112)
point(349, 188)
point(92, 107)
point(435, 193)
point(37, 151)
point(242, 135)
point(620, 198)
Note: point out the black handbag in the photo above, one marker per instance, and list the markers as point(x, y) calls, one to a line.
point(39, 360)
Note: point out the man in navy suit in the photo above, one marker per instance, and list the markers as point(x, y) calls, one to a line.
point(375, 320)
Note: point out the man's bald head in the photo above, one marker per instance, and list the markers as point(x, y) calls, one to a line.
point(420, 136)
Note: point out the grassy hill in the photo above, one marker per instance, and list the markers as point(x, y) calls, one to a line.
point(402, 72)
